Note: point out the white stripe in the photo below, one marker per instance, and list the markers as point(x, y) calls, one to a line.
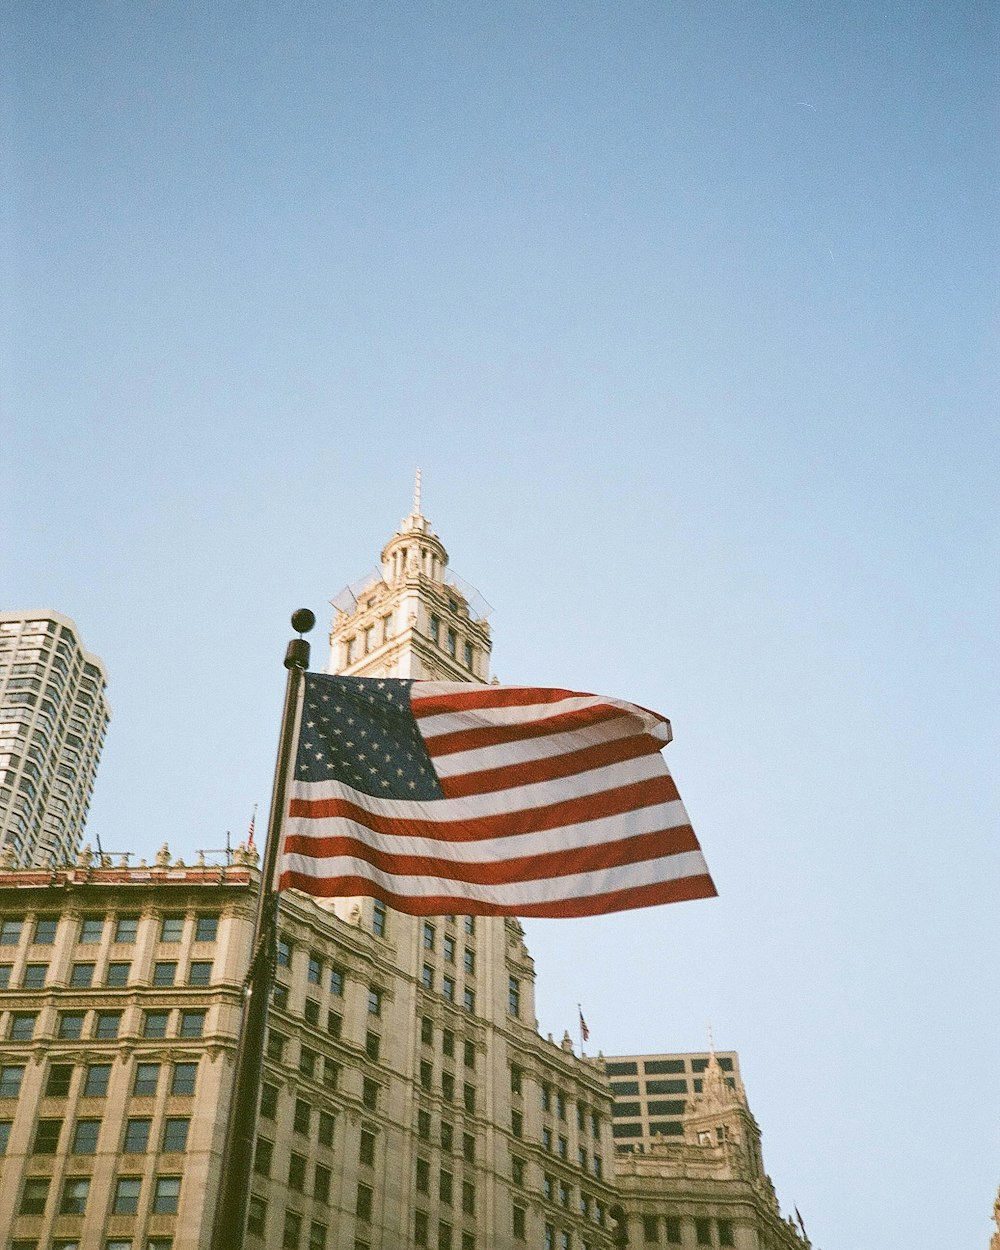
point(522, 798)
point(588, 833)
point(476, 717)
point(481, 758)
point(518, 893)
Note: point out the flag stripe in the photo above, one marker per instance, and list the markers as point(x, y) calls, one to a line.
point(490, 780)
point(636, 796)
point(477, 734)
point(521, 751)
point(325, 853)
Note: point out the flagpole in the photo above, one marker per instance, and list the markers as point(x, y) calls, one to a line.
point(237, 1153)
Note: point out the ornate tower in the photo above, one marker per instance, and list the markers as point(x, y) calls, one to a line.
point(412, 617)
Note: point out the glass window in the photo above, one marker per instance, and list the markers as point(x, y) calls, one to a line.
point(514, 996)
point(427, 977)
point(518, 1222)
point(4, 1135)
point(311, 1012)
point(452, 642)
point(91, 930)
point(469, 924)
point(96, 1083)
point(126, 1200)
point(81, 976)
point(366, 1148)
point(468, 1148)
point(275, 1046)
point(263, 1154)
point(279, 996)
point(314, 970)
point(206, 927)
point(126, 929)
point(10, 932)
point(108, 1024)
point(703, 1232)
point(517, 1123)
point(469, 1000)
point(424, 1124)
point(45, 930)
point(154, 1023)
point(297, 1172)
point(117, 975)
point(369, 1093)
point(34, 976)
point(374, 1002)
point(256, 1215)
point(164, 973)
point(447, 1135)
point(469, 960)
point(47, 1137)
point(448, 1043)
point(166, 1195)
point(428, 935)
point(5, 971)
point(85, 1137)
point(34, 1195)
point(660, 1067)
point(378, 918)
point(364, 1202)
point(292, 1231)
point(516, 1079)
point(321, 1183)
point(448, 947)
point(673, 1230)
point(136, 1135)
point(175, 1134)
point(426, 1030)
point(334, 1023)
point(183, 1079)
point(22, 1026)
point(74, 1195)
point(337, 981)
point(373, 1044)
point(59, 1079)
point(726, 1233)
point(192, 1023)
point(448, 988)
point(469, 1098)
point(447, 1086)
point(561, 1105)
point(317, 1236)
point(172, 927)
point(200, 972)
point(469, 1054)
point(302, 1121)
point(327, 1123)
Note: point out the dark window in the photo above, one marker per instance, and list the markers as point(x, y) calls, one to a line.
point(369, 1094)
point(448, 1043)
point(47, 1137)
point(448, 946)
point(279, 996)
point(673, 1230)
point(126, 1200)
point(262, 1156)
point(4, 1135)
point(297, 1172)
point(321, 1183)
point(726, 1233)
point(126, 929)
point(420, 1228)
point(59, 1078)
point(662, 1067)
point(74, 1195)
point(22, 1026)
point(650, 1228)
point(85, 1137)
point(373, 1044)
point(423, 1180)
point(34, 976)
point(664, 1087)
point(514, 996)
point(108, 1024)
point(469, 1054)
point(666, 1108)
point(624, 1087)
point(192, 1023)
point(561, 1106)
point(427, 977)
point(172, 927)
point(175, 1134)
point(292, 1232)
point(364, 1203)
point(302, 1119)
point(10, 932)
point(468, 1198)
point(96, 1084)
point(426, 1030)
point(164, 973)
point(34, 1195)
point(518, 1222)
point(268, 1101)
point(626, 1130)
point(622, 1069)
point(627, 1109)
point(516, 1079)
point(314, 969)
point(444, 1236)
point(447, 1086)
point(185, 1075)
point(378, 918)
point(317, 1236)
point(70, 1027)
point(155, 1023)
point(136, 1136)
point(256, 1216)
point(334, 1023)
point(366, 1148)
point(447, 1135)
point(311, 1012)
point(206, 928)
point(469, 1097)
point(91, 930)
point(284, 956)
point(337, 981)
point(703, 1232)
point(81, 976)
point(117, 975)
point(517, 1170)
point(45, 930)
point(424, 1125)
point(517, 1123)
point(428, 935)
point(445, 1185)
point(448, 988)
point(307, 1061)
point(331, 1073)
point(374, 1002)
point(468, 1148)
point(166, 1195)
point(200, 972)
point(327, 1123)
point(469, 961)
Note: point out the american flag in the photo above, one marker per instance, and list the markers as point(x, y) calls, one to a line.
point(450, 798)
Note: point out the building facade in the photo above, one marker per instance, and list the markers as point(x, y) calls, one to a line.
point(53, 718)
point(652, 1093)
point(408, 1099)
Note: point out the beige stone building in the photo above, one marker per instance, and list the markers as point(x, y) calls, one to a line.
point(408, 1099)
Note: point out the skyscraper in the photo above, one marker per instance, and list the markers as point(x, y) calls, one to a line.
point(53, 717)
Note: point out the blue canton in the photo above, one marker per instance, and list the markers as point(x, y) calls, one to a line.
point(360, 731)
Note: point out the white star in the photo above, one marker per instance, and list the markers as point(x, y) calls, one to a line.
point(338, 731)
point(385, 783)
point(310, 724)
point(375, 770)
point(412, 785)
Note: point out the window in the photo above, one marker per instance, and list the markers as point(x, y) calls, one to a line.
point(136, 1135)
point(726, 1233)
point(452, 642)
point(444, 1236)
point(659, 1087)
point(373, 1044)
point(81, 976)
point(206, 928)
point(279, 996)
point(126, 1200)
point(467, 653)
point(423, 1179)
point(317, 1236)
point(327, 1122)
point(517, 1123)
point(302, 1120)
point(469, 1097)
point(447, 1135)
point(468, 1148)
point(307, 1062)
point(363, 1207)
point(91, 930)
point(561, 1105)
point(192, 1023)
point(4, 1135)
point(469, 960)
point(311, 1012)
point(427, 977)
point(547, 1138)
point(154, 1023)
point(284, 957)
point(34, 976)
point(468, 1198)
point(185, 1075)
point(175, 1134)
point(428, 935)
point(448, 948)
point(34, 1195)
point(378, 918)
point(469, 1000)
point(172, 927)
point(581, 1157)
point(5, 971)
point(448, 988)
point(673, 1230)
point(164, 973)
point(22, 1026)
point(703, 1232)
point(369, 1094)
point(517, 1170)
point(563, 1194)
point(424, 1125)
point(334, 1023)
point(331, 1073)
point(47, 1137)
point(10, 932)
point(426, 1030)
point(117, 975)
point(74, 1195)
point(200, 972)
point(445, 1180)
point(374, 1002)
point(126, 929)
point(108, 1024)
point(366, 1148)
point(256, 1216)
point(516, 1078)
point(45, 930)
point(321, 1183)
point(447, 1086)
point(435, 628)
point(314, 970)
point(596, 1166)
point(297, 1172)
point(550, 1237)
point(448, 1043)
point(166, 1195)
point(85, 1137)
point(58, 1082)
point(420, 1228)
point(96, 1084)
point(337, 981)
point(518, 1222)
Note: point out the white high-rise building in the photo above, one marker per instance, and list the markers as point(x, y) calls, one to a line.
point(53, 717)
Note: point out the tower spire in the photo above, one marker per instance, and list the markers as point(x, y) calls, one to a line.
point(416, 493)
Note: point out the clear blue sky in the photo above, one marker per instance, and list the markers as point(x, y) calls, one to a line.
point(688, 312)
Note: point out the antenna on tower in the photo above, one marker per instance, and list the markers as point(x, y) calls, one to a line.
point(711, 1040)
point(416, 494)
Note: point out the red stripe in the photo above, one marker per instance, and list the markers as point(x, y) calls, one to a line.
point(569, 764)
point(615, 802)
point(686, 888)
point(495, 735)
point(487, 696)
point(537, 867)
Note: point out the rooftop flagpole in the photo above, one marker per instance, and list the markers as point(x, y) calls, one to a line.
point(229, 1228)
